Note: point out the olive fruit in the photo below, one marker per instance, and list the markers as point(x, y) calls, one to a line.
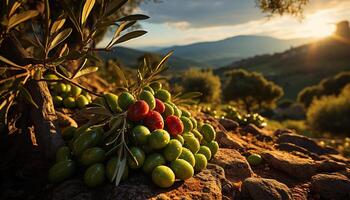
point(63, 153)
point(125, 100)
point(208, 132)
point(187, 155)
point(188, 126)
point(159, 139)
point(182, 169)
point(163, 95)
point(173, 150)
point(139, 155)
point(82, 101)
point(137, 111)
point(61, 171)
point(163, 176)
point(149, 98)
point(201, 162)
point(205, 151)
point(153, 160)
point(92, 155)
point(254, 159)
point(94, 175)
point(140, 134)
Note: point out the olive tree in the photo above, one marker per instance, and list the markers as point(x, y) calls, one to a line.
point(37, 38)
point(251, 89)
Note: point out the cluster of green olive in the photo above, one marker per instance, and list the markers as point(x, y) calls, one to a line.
point(67, 95)
point(256, 119)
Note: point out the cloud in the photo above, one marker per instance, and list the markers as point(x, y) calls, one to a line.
point(202, 13)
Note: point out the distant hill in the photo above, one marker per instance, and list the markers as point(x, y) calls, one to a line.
point(223, 52)
point(299, 67)
point(129, 57)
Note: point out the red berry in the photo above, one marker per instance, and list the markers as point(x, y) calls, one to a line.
point(174, 125)
point(154, 120)
point(137, 111)
point(160, 107)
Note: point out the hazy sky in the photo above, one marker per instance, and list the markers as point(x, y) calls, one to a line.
point(178, 22)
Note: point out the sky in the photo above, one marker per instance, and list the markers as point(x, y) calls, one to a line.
point(180, 22)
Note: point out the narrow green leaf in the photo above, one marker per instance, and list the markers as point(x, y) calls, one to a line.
point(64, 71)
point(190, 95)
point(86, 71)
point(165, 58)
point(114, 6)
point(130, 36)
point(133, 18)
point(60, 38)
point(121, 169)
point(7, 61)
point(14, 8)
point(21, 17)
point(57, 25)
point(89, 4)
point(120, 73)
point(27, 96)
point(68, 10)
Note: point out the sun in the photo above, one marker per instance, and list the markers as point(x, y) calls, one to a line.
point(319, 25)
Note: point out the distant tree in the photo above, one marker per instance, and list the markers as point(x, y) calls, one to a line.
point(252, 89)
point(202, 81)
point(326, 87)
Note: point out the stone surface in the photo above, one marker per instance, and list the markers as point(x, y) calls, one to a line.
point(289, 147)
point(331, 186)
point(208, 184)
point(225, 141)
point(267, 189)
point(294, 166)
point(235, 165)
point(228, 124)
point(257, 132)
point(305, 143)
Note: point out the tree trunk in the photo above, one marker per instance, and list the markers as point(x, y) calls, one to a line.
point(44, 119)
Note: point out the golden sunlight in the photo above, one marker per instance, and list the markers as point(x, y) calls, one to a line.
point(318, 25)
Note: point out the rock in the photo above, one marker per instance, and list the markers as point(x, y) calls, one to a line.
point(257, 132)
point(235, 165)
point(331, 186)
point(289, 147)
point(294, 166)
point(228, 124)
point(279, 132)
point(208, 184)
point(267, 189)
point(225, 141)
point(305, 143)
point(328, 165)
point(72, 189)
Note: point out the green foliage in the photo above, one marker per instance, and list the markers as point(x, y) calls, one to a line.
point(293, 7)
point(326, 87)
point(204, 82)
point(331, 113)
point(43, 42)
point(252, 89)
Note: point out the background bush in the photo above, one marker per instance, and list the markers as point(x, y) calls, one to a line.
point(331, 113)
point(251, 89)
point(326, 87)
point(203, 81)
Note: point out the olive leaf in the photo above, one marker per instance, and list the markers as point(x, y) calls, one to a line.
point(21, 17)
point(7, 61)
point(57, 25)
point(117, 32)
point(129, 36)
point(89, 4)
point(14, 7)
point(121, 75)
point(189, 95)
point(114, 6)
point(24, 92)
point(133, 18)
point(86, 71)
point(95, 111)
point(65, 72)
point(120, 171)
point(59, 38)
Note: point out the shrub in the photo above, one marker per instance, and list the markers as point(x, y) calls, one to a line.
point(326, 87)
point(331, 113)
point(252, 89)
point(202, 81)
